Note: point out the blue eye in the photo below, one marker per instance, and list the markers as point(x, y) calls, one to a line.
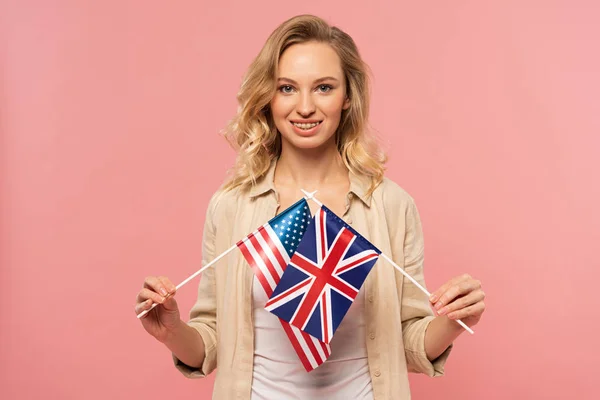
point(325, 88)
point(285, 89)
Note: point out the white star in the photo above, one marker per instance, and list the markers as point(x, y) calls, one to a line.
point(295, 224)
point(302, 226)
point(286, 242)
point(295, 231)
point(287, 236)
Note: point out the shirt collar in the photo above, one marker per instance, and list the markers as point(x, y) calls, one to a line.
point(359, 185)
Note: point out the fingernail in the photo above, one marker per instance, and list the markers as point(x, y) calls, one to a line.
point(433, 298)
point(163, 291)
point(438, 305)
point(443, 311)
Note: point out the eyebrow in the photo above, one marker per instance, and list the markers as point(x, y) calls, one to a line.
point(327, 78)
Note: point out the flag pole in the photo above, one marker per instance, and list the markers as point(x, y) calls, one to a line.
point(140, 315)
point(311, 196)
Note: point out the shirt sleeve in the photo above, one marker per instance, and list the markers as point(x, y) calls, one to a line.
point(416, 312)
point(203, 315)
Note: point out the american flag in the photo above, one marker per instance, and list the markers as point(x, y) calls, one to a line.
point(268, 250)
point(323, 277)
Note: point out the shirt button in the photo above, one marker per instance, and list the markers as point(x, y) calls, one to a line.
point(377, 372)
point(372, 335)
point(370, 298)
point(349, 221)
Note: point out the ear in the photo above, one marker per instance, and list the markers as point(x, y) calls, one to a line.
point(346, 104)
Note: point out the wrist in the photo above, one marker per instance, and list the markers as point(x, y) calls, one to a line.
point(174, 333)
point(450, 326)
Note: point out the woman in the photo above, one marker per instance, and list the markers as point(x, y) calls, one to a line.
point(302, 125)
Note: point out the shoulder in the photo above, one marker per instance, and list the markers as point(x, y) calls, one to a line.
point(224, 202)
point(392, 196)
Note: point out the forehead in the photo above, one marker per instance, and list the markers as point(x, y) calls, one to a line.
point(309, 61)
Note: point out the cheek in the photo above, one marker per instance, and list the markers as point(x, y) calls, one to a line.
point(333, 107)
point(280, 107)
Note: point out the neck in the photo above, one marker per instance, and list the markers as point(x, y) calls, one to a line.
point(311, 169)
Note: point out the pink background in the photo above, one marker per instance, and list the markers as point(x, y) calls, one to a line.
point(110, 112)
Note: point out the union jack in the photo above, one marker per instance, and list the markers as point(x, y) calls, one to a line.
point(323, 277)
point(268, 250)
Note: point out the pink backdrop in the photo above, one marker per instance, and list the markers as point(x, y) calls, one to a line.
point(110, 112)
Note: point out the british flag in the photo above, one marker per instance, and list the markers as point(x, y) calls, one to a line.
point(323, 277)
point(268, 250)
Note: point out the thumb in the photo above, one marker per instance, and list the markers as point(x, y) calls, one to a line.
point(170, 304)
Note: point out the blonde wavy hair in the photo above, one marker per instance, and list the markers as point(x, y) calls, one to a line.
point(252, 131)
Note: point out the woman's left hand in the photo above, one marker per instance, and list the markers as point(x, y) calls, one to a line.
point(460, 298)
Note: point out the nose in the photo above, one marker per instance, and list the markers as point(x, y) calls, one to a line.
point(306, 105)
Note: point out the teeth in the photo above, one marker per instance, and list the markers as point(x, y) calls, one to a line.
point(305, 126)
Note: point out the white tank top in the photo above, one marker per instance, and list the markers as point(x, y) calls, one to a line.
point(278, 373)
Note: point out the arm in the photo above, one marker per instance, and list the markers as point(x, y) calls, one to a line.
point(425, 353)
point(194, 344)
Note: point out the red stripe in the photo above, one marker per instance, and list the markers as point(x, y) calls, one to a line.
point(294, 340)
point(257, 271)
point(313, 349)
point(304, 264)
point(286, 293)
point(325, 349)
point(325, 317)
point(263, 256)
point(364, 259)
point(274, 249)
point(343, 287)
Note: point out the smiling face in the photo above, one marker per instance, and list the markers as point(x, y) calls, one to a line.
point(310, 96)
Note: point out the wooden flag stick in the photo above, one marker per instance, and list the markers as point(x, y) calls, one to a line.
point(311, 196)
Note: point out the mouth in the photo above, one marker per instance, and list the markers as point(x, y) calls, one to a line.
point(306, 126)
point(306, 129)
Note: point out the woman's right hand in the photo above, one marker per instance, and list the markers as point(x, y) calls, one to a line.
point(163, 319)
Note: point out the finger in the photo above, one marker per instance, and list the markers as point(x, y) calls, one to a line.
point(154, 283)
point(462, 302)
point(472, 310)
point(144, 305)
point(146, 294)
point(170, 303)
point(435, 296)
point(167, 284)
point(458, 289)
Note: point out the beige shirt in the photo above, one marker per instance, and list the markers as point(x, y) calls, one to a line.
point(397, 313)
